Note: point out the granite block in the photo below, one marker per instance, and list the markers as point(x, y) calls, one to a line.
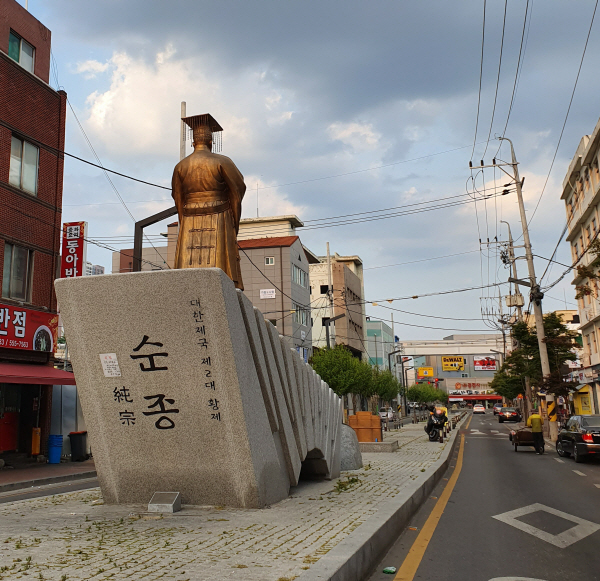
point(286, 432)
point(182, 409)
point(351, 457)
point(303, 394)
point(293, 386)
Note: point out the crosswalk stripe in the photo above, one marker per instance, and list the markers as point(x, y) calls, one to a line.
point(580, 473)
point(559, 460)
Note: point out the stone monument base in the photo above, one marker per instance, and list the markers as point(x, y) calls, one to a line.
point(185, 386)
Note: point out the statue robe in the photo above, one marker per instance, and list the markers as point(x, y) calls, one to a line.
point(208, 189)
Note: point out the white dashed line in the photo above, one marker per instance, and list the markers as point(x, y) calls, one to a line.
point(597, 485)
point(559, 460)
point(580, 473)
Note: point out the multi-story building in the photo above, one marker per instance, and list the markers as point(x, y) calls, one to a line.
point(461, 365)
point(348, 300)
point(93, 269)
point(32, 134)
point(380, 343)
point(581, 193)
point(153, 258)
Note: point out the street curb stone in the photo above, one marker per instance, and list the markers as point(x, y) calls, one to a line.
point(43, 481)
point(356, 556)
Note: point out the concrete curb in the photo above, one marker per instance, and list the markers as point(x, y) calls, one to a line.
point(43, 481)
point(357, 555)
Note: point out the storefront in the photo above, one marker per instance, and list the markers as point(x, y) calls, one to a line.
point(583, 399)
point(26, 404)
point(487, 400)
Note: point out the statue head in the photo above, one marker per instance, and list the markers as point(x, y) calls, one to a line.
point(205, 129)
point(203, 136)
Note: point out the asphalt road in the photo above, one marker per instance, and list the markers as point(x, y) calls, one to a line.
point(48, 490)
point(537, 543)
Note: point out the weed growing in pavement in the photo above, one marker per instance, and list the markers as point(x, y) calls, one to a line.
point(344, 485)
point(240, 567)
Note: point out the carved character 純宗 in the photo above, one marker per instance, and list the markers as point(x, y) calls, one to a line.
point(208, 190)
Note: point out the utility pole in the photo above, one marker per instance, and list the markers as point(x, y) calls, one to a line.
point(182, 132)
point(535, 293)
point(330, 293)
point(511, 256)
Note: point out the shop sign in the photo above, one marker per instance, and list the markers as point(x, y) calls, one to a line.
point(27, 329)
point(484, 363)
point(73, 257)
point(453, 363)
point(267, 293)
point(425, 372)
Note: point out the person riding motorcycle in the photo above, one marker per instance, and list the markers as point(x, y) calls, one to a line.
point(441, 414)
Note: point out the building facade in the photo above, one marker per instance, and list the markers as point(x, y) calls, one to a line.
point(32, 135)
point(380, 343)
point(275, 272)
point(581, 194)
point(348, 300)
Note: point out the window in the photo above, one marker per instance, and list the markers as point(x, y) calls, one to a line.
point(299, 276)
point(324, 289)
point(269, 260)
point(21, 51)
point(594, 230)
point(300, 315)
point(16, 274)
point(594, 346)
point(23, 171)
point(588, 232)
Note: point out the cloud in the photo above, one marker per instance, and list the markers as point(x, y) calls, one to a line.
point(90, 68)
point(358, 136)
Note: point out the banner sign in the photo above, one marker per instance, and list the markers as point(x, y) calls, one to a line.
point(27, 329)
point(267, 293)
point(453, 363)
point(484, 363)
point(73, 249)
point(425, 372)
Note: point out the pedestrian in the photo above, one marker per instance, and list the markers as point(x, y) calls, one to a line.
point(535, 422)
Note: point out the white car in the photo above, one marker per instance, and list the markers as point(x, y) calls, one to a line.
point(478, 409)
point(386, 414)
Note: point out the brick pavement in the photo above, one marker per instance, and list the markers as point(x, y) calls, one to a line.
point(76, 537)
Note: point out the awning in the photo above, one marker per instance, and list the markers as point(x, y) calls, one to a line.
point(583, 387)
point(475, 397)
point(34, 374)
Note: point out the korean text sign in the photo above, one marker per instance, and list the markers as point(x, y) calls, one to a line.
point(484, 363)
point(73, 249)
point(27, 329)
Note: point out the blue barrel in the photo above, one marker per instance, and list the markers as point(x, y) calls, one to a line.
point(55, 444)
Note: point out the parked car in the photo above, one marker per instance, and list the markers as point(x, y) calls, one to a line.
point(478, 409)
point(387, 414)
point(509, 415)
point(497, 407)
point(580, 437)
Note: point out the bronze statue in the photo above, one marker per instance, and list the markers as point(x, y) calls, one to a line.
point(208, 190)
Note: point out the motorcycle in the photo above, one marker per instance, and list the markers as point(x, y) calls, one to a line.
point(435, 426)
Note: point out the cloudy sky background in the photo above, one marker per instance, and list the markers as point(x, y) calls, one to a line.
point(308, 90)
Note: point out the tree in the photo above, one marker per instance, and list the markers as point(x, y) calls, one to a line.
point(343, 372)
point(525, 361)
point(385, 385)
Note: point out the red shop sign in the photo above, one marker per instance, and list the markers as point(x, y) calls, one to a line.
point(73, 258)
point(26, 329)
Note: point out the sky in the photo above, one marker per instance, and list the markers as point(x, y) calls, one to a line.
point(336, 108)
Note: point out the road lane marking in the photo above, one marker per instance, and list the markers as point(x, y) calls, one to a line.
point(583, 527)
point(597, 485)
point(580, 473)
point(559, 460)
point(411, 564)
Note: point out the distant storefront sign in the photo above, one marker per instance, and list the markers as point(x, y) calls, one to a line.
point(484, 363)
point(73, 257)
point(27, 329)
point(425, 371)
point(267, 293)
point(453, 363)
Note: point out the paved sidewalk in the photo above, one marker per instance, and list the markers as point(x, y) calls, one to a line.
point(75, 537)
point(27, 475)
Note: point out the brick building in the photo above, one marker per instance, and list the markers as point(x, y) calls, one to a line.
point(32, 133)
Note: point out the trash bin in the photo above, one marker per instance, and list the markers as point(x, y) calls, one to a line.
point(55, 444)
point(78, 446)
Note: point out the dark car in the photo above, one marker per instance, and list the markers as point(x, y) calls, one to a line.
point(580, 437)
point(497, 408)
point(509, 415)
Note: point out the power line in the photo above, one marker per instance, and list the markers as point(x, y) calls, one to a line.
point(480, 79)
point(421, 260)
point(568, 111)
